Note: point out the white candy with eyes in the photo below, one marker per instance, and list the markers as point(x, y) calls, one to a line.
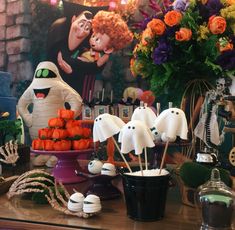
point(172, 122)
point(135, 135)
point(144, 114)
point(75, 202)
point(105, 126)
point(95, 166)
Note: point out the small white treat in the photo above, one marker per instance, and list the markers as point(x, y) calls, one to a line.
point(164, 138)
point(95, 166)
point(108, 169)
point(91, 204)
point(75, 203)
point(149, 172)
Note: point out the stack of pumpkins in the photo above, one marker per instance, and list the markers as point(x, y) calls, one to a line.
point(63, 133)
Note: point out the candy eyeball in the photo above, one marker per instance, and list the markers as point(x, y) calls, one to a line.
point(75, 203)
point(95, 166)
point(108, 169)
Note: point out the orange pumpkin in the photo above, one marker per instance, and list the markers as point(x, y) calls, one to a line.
point(70, 124)
point(38, 144)
point(48, 145)
point(59, 134)
point(62, 145)
point(45, 133)
point(75, 132)
point(56, 122)
point(66, 114)
point(86, 132)
point(81, 144)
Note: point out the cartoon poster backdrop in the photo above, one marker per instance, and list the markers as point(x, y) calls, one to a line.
point(67, 38)
point(80, 43)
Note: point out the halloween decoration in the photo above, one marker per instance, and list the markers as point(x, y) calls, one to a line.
point(135, 135)
point(91, 204)
point(171, 123)
point(95, 166)
point(147, 116)
point(39, 181)
point(217, 203)
point(108, 169)
point(9, 153)
point(105, 126)
point(48, 93)
point(75, 203)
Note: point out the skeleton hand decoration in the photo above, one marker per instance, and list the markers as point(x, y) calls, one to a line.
point(9, 152)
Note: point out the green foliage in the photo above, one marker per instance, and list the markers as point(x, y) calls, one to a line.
point(9, 130)
point(42, 18)
point(118, 75)
point(194, 174)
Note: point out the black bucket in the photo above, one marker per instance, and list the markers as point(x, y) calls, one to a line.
point(145, 196)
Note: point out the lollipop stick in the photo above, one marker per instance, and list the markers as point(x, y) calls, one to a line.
point(127, 165)
point(141, 168)
point(163, 157)
point(146, 158)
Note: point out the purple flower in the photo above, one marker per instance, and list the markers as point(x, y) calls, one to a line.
point(161, 53)
point(227, 60)
point(212, 7)
point(181, 5)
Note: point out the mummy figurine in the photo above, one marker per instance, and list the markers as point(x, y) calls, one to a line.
point(108, 169)
point(135, 135)
point(75, 203)
point(48, 93)
point(91, 204)
point(172, 123)
point(144, 114)
point(105, 126)
point(95, 166)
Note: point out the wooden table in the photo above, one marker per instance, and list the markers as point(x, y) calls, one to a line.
point(24, 214)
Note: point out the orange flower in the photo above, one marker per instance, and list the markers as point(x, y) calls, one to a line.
point(230, 2)
point(224, 45)
point(184, 34)
point(172, 18)
point(217, 24)
point(147, 34)
point(157, 26)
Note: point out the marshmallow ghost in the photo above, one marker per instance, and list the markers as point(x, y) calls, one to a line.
point(48, 93)
point(105, 126)
point(172, 123)
point(135, 135)
point(144, 114)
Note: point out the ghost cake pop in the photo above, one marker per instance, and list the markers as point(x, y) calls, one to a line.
point(95, 166)
point(75, 203)
point(91, 204)
point(108, 169)
point(171, 123)
point(135, 135)
point(147, 116)
point(105, 126)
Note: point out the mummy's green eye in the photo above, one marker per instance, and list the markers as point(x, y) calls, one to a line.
point(45, 72)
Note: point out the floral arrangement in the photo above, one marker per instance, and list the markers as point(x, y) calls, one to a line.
point(183, 41)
